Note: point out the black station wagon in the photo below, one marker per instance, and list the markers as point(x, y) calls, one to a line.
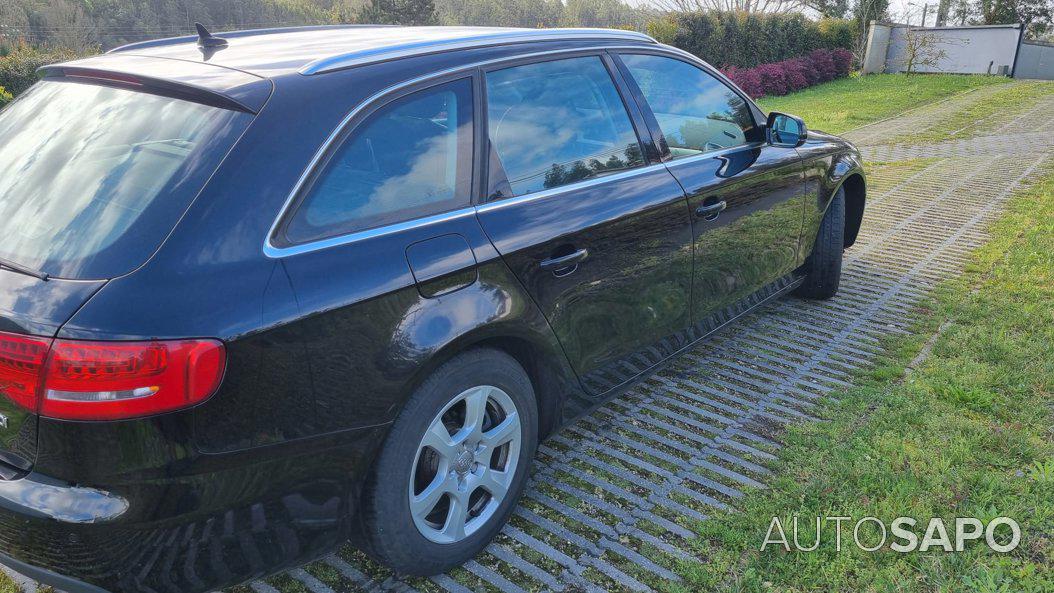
point(262, 292)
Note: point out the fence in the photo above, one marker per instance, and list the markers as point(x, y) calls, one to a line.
point(1035, 59)
point(985, 49)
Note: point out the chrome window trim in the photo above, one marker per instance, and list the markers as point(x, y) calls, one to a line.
point(713, 154)
point(418, 48)
point(275, 252)
point(545, 193)
point(279, 252)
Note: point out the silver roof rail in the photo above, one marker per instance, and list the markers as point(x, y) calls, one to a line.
point(231, 35)
point(422, 47)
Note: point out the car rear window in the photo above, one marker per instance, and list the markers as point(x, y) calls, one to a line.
point(92, 178)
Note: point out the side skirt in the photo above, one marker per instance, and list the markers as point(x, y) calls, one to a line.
point(578, 405)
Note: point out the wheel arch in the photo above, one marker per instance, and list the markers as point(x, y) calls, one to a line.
point(855, 200)
point(550, 376)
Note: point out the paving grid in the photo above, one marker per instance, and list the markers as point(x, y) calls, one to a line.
point(613, 497)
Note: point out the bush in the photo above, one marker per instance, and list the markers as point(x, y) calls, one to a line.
point(843, 62)
point(18, 69)
point(4, 96)
point(794, 74)
point(823, 64)
point(785, 76)
point(747, 40)
point(772, 78)
point(664, 30)
point(837, 33)
point(746, 79)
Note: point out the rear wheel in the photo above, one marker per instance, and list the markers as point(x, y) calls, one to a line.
point(823, 269)
point(453, 465)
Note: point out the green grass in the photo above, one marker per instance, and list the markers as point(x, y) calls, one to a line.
point(982, 116)
point(968, 433)
point(848, 103)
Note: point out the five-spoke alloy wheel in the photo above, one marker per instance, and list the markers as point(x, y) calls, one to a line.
point(452, 466)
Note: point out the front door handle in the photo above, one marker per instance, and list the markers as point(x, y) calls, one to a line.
point(711, 211)
point(565, 264)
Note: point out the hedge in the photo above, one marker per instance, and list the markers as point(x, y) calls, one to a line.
point(741, 40)
point(18, 69)
point(786, 76)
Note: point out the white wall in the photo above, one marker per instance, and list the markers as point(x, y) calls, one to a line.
point(968, 50)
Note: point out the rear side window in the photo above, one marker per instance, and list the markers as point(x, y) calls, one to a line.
point(554, 123)
point(93, 178)
point(696, 112)
point(411, 158)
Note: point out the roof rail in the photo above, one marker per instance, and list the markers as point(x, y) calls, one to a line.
point(229, 35)
point(421, 47)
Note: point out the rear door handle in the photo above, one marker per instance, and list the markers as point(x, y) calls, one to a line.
point(711, 211)
point(565, 264)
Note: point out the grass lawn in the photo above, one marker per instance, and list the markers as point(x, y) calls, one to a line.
point(844, 104)
point(970, 433)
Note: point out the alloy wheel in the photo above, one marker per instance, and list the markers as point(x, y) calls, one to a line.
point(465, 464)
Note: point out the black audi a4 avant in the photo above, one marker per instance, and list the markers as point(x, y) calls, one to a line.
point(262, 292)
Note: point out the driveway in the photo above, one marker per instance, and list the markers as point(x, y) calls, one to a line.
point(614, 497)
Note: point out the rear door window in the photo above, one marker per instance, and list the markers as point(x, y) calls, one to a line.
point(696, 112)
point(558, 122)
point(411, 158)
point(92, 178)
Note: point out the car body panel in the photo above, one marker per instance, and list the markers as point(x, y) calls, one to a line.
point(633, 291)
point(755, 239)
point(37, 307)
point(828, 161)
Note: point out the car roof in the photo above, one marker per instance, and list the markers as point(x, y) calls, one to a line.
point(317, 50)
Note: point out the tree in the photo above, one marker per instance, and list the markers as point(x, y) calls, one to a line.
point(68, 26)
point(399, 12)
point(743, 6)
point(1034, 14)
point(829, 8)
point(960, 11)
point(924, 49)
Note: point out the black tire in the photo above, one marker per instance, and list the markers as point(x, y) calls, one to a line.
point(386, 529)
point(823, 269)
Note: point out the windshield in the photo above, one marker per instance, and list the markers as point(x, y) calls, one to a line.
point(92, 178)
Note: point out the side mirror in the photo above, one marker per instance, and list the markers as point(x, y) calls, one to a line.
point(785, 130)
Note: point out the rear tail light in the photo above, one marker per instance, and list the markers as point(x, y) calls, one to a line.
point(22, 361)
point(77, 380)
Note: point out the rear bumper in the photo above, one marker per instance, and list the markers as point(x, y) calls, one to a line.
point(80, 539)
point(46, 577)
point(197, 532)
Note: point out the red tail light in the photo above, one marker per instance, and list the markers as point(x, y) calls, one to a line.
point(77, 380)
point(22, 361)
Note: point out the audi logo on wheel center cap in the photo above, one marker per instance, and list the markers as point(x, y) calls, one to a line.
point(464, 462)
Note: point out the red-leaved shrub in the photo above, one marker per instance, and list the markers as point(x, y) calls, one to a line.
point(793, 75)
point(772, 79)
point(822, 64)
point(843, 62)
point(746, 79)
point(780, 78)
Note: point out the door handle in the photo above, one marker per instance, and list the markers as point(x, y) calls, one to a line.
point(565, 264)
point(711, 211)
